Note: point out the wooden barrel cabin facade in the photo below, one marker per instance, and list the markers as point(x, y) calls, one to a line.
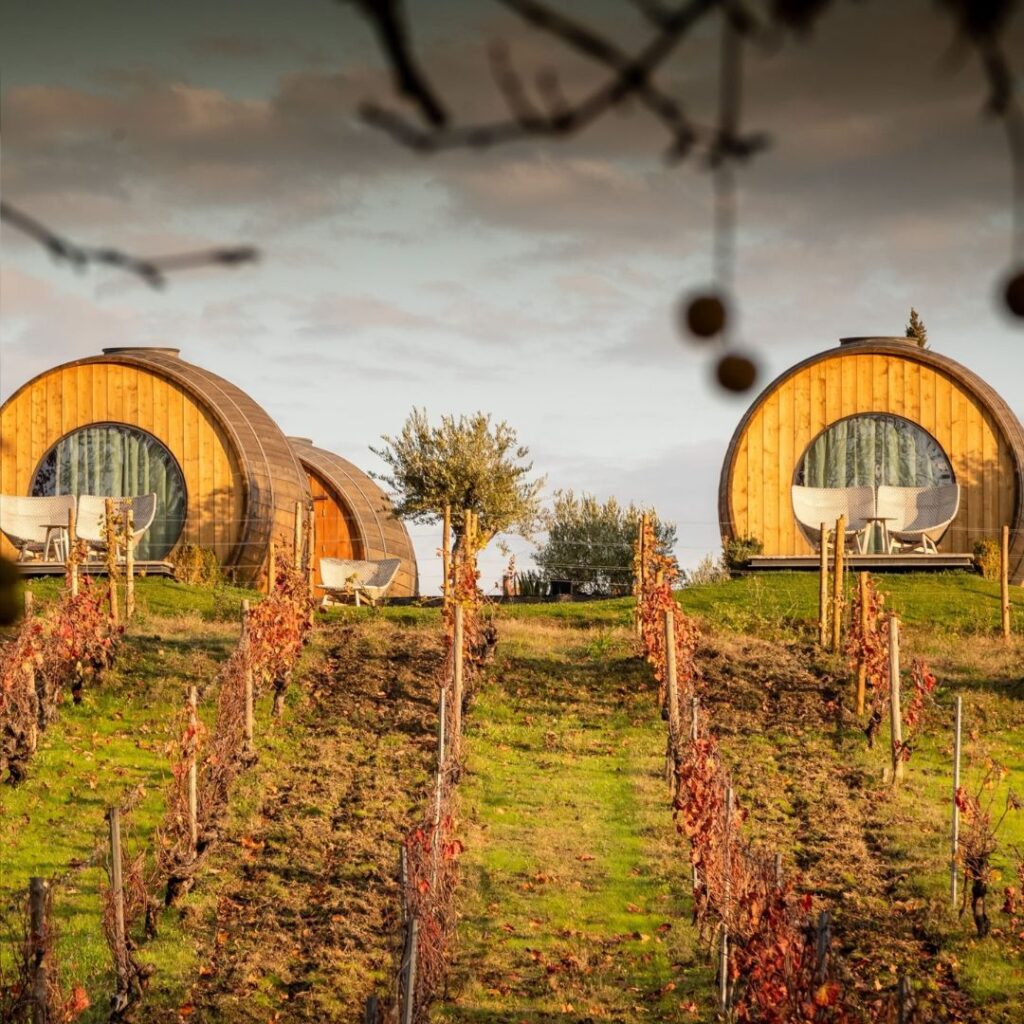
point(354, 517)
point(143, 420)
point(964, 426)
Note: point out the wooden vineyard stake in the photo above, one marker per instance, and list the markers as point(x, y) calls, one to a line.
point(38, 941)
point(723, 951)
point(193, 772)
point(895, 713)
point(446, 554)
point(117, 893)
point(671, 682)
point(129, 564)
point(409, 972)
point(297, 540)
point(441, 711)
point(110, 533)
point(311, 559)
point(457, 672)
point(642, 568)
point(837, 584)
point(823, 587)
point(1004, 580)
point(30, 688)
point(955, 844)
point(271, 567)
point(72, 559)
point(862, 668)
point(247, 742)
point(694, 712)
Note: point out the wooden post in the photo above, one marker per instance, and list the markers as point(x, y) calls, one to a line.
point(271, 567)
point(694, 711)
point(671, 679)
point(641, 566)
point(409, 972)
point(193, 772)
point(723, 956)
point(778, 871)
point(1004, 581)
point(129, 564)
point(72, 560)
point(895, 714)
point(111, 537)
point(117, 890)
point(28, 604)
point(862, 668)
point(457, 667)
point(955, 844)
point(823, 587)
point(837, 584)
point(297, 542)
point(311, 558)
point(446, 554)
point(38, 941)
point(441, 711)
point(247, 742)
point(38, 712)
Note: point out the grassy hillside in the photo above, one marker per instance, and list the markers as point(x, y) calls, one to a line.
point(575, 890)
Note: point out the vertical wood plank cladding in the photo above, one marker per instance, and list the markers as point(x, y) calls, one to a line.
point(989, 475)
point(880, 382)
point(770, 474)
point(912, 391)
point(786, 459)
point(789, 416)
point(739, 495)
point(927, 413)
point(68, 411)
point(755, 482)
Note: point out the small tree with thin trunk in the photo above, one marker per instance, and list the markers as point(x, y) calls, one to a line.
point(469, 463)
point(591, 542)
point(916, 329)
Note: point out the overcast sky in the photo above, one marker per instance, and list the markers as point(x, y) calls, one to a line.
point(537, 282)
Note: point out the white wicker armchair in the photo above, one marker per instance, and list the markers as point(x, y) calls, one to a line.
point(919, 516)
point(813, 506)
point(344, 576)
point(34, 524)
point(92, 516)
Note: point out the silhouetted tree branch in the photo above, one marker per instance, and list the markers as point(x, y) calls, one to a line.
point(151, 269)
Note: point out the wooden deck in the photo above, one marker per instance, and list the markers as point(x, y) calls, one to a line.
point(911, 562)
point(40, 568)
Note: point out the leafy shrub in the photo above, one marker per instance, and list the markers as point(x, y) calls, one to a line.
point(196, 565)
point(531, 584)
point(737, 551)
point(988, 558)
point(707, 571)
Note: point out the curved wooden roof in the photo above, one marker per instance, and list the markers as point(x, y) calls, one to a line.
point(273, 479)
point(1002, 414)
point(380, 532)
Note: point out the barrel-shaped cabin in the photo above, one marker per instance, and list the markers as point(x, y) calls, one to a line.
point(353, 517)
point(898, 436)
point(135, 421)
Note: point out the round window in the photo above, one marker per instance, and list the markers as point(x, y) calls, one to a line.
point(114, 460)
point(874, 449)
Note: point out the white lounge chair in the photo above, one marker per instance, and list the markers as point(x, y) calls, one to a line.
point(36, 525)
point(343, 576)
point(813, 506)
point(919, 516)
point(92, 517)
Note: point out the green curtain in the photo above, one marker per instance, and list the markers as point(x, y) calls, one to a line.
point(871, 450)
point(116, 461)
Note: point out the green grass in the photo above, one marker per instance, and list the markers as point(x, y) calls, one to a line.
point(573, 879)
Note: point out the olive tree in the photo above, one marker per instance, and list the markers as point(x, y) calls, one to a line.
point(469, 463)
point(590, 542)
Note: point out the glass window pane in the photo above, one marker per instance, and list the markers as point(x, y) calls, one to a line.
point(118, 461)
point(874, 449)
